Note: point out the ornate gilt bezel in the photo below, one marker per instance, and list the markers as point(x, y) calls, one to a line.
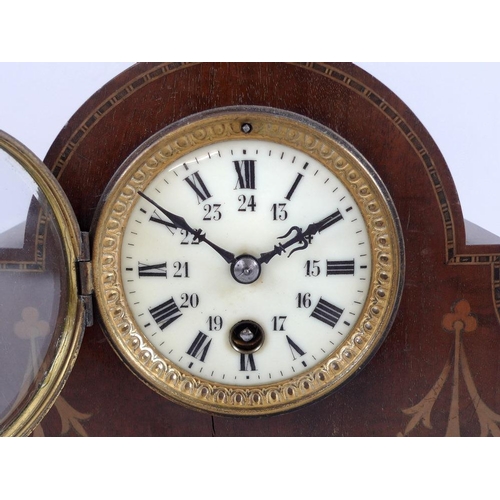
point(339, 157)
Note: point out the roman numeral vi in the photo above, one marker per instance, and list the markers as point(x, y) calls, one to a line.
point(247, 363)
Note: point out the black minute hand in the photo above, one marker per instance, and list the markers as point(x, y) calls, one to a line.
point(300, 237)
point(181, 223)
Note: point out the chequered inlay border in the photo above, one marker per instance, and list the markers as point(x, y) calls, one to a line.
point(37, 263)
point(339, 76)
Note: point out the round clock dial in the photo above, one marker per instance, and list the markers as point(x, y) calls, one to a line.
point(255, 199)
point(247, 261)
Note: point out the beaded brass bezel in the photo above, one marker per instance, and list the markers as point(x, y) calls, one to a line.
point(334, 153)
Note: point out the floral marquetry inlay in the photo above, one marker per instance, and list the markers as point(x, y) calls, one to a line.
point(458, 322)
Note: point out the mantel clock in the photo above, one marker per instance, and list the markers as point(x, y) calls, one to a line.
point(297, 256)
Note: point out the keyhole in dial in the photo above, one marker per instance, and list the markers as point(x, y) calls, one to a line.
point(246, 336)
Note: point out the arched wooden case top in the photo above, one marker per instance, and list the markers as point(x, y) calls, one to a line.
point(436, 372)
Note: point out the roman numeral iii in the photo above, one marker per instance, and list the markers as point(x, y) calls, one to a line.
point(339, 267)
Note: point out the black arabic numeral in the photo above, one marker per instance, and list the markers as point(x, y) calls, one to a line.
point(312, 268)
point(212, 212)
point(214, 323)
point(247, 205)
point(279, 323)
point(188, 239)
point(304, 300)
point(279, 212)
point(190, 300)
point(181, 269)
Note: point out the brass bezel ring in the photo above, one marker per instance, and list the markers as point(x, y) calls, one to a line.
point(69, 339)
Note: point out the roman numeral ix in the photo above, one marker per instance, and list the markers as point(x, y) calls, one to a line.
point(153, 270)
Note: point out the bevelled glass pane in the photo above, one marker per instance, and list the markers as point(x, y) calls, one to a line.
point(33, 281)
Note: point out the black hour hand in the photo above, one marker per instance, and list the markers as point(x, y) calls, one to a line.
point(179, 222)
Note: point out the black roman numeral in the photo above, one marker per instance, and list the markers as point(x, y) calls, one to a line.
point(295, 350)
point(165, 313)
point(196, 183)
point(200, 346)
point(247, 363)
point(246, 174)
point(294, 187)
point(327, 313)
point(153, 270)
point(339, 267)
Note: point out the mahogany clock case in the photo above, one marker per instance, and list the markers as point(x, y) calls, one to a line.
point(436, 372)
point(235, 364)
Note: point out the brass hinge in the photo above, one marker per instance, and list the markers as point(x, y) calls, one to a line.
point(86, 282)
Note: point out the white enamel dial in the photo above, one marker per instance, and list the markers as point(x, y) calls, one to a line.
point(246, 262)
